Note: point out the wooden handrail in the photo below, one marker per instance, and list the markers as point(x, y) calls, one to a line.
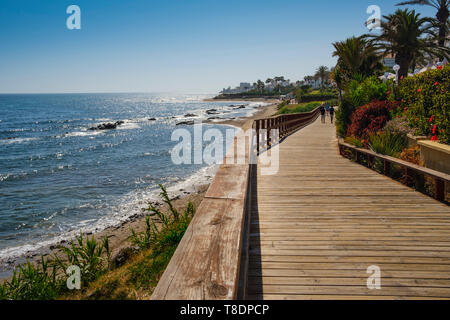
point(286, 124)
point(440, 178)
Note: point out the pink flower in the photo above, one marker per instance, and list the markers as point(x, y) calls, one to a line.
point(436, 83)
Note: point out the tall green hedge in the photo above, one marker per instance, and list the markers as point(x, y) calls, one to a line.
point(426, 102)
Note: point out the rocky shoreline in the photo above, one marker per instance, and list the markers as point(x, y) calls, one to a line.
point(119, 235)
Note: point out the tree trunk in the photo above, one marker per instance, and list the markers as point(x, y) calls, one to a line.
point(442, 16)
point(404, 61)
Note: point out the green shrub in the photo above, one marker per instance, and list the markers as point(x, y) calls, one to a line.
point(30, 282)
point(282, 104)
point(426, 96)
point(359, 92)
point(388, 143)
point(88, 255)
point(162, 242)
point(370, 118)
point(299, 108)
point(354, 141)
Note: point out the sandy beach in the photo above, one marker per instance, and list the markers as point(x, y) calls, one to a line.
point(119, 235)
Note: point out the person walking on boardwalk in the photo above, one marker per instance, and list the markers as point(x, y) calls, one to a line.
point(327, 109)
point(322, 113)
point(332, 113)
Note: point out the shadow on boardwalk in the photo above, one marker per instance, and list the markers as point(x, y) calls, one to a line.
point(322, 220)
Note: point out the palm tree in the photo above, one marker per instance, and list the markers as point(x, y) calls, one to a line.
point(322, 73)
point(260, 85)
point(442, 15)
point(338, 77)
point(357, 56)
point(408, 37)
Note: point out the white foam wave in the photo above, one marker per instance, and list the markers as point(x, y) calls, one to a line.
point(130, 206)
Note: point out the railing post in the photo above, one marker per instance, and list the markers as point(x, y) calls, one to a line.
point(358, 157)
point(257, 136)
point(387, 167)
point(370, 161)
point(409, 176)
point(269, 127)
point(439, 189)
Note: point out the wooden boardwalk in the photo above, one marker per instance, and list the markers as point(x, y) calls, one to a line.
point(318, 224)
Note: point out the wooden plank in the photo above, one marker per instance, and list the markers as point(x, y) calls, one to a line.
point(230, 182)
point(322, 220)
point(204, 265)
point(385, 282)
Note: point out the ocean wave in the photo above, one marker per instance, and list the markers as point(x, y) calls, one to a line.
point(129, 206)
point(17, 140)
point(81, 134)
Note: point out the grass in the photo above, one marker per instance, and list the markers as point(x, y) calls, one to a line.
point(137, 278)
point(100, 279)
point(388, 143)
point(299, 108)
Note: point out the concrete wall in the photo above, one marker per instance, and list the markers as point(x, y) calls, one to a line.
point(435, 155)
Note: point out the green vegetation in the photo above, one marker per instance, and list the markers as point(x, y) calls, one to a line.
point(299, 108)
point(409, 37)
point(425, 102)
point(100, 278)
point(388, 143)
point(48, 281)
point(442, 15)
point(360, 91)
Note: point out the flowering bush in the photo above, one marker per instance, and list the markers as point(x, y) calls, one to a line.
point(359, 92)
point(426, 98)
point(370, 118)
point(399, 124)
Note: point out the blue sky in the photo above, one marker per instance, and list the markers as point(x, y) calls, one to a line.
point(197, 46)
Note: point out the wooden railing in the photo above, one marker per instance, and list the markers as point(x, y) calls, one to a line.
point(410, 169)
point(285, 123)
point(210, 262)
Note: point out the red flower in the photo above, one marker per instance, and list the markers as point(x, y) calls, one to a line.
point(419, 90)
point(434, 129)
point(434, 138)
point(401, 77)
point(431, 119)
point(436, 83)
point(439, 67)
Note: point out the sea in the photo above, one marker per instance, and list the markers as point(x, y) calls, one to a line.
point(58, 177)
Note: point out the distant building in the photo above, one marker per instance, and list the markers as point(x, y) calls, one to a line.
point(243, 87)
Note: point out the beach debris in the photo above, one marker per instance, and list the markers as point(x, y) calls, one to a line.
point(185, 123)
point(107, 126)
point(190, 115)
point(151, 119)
